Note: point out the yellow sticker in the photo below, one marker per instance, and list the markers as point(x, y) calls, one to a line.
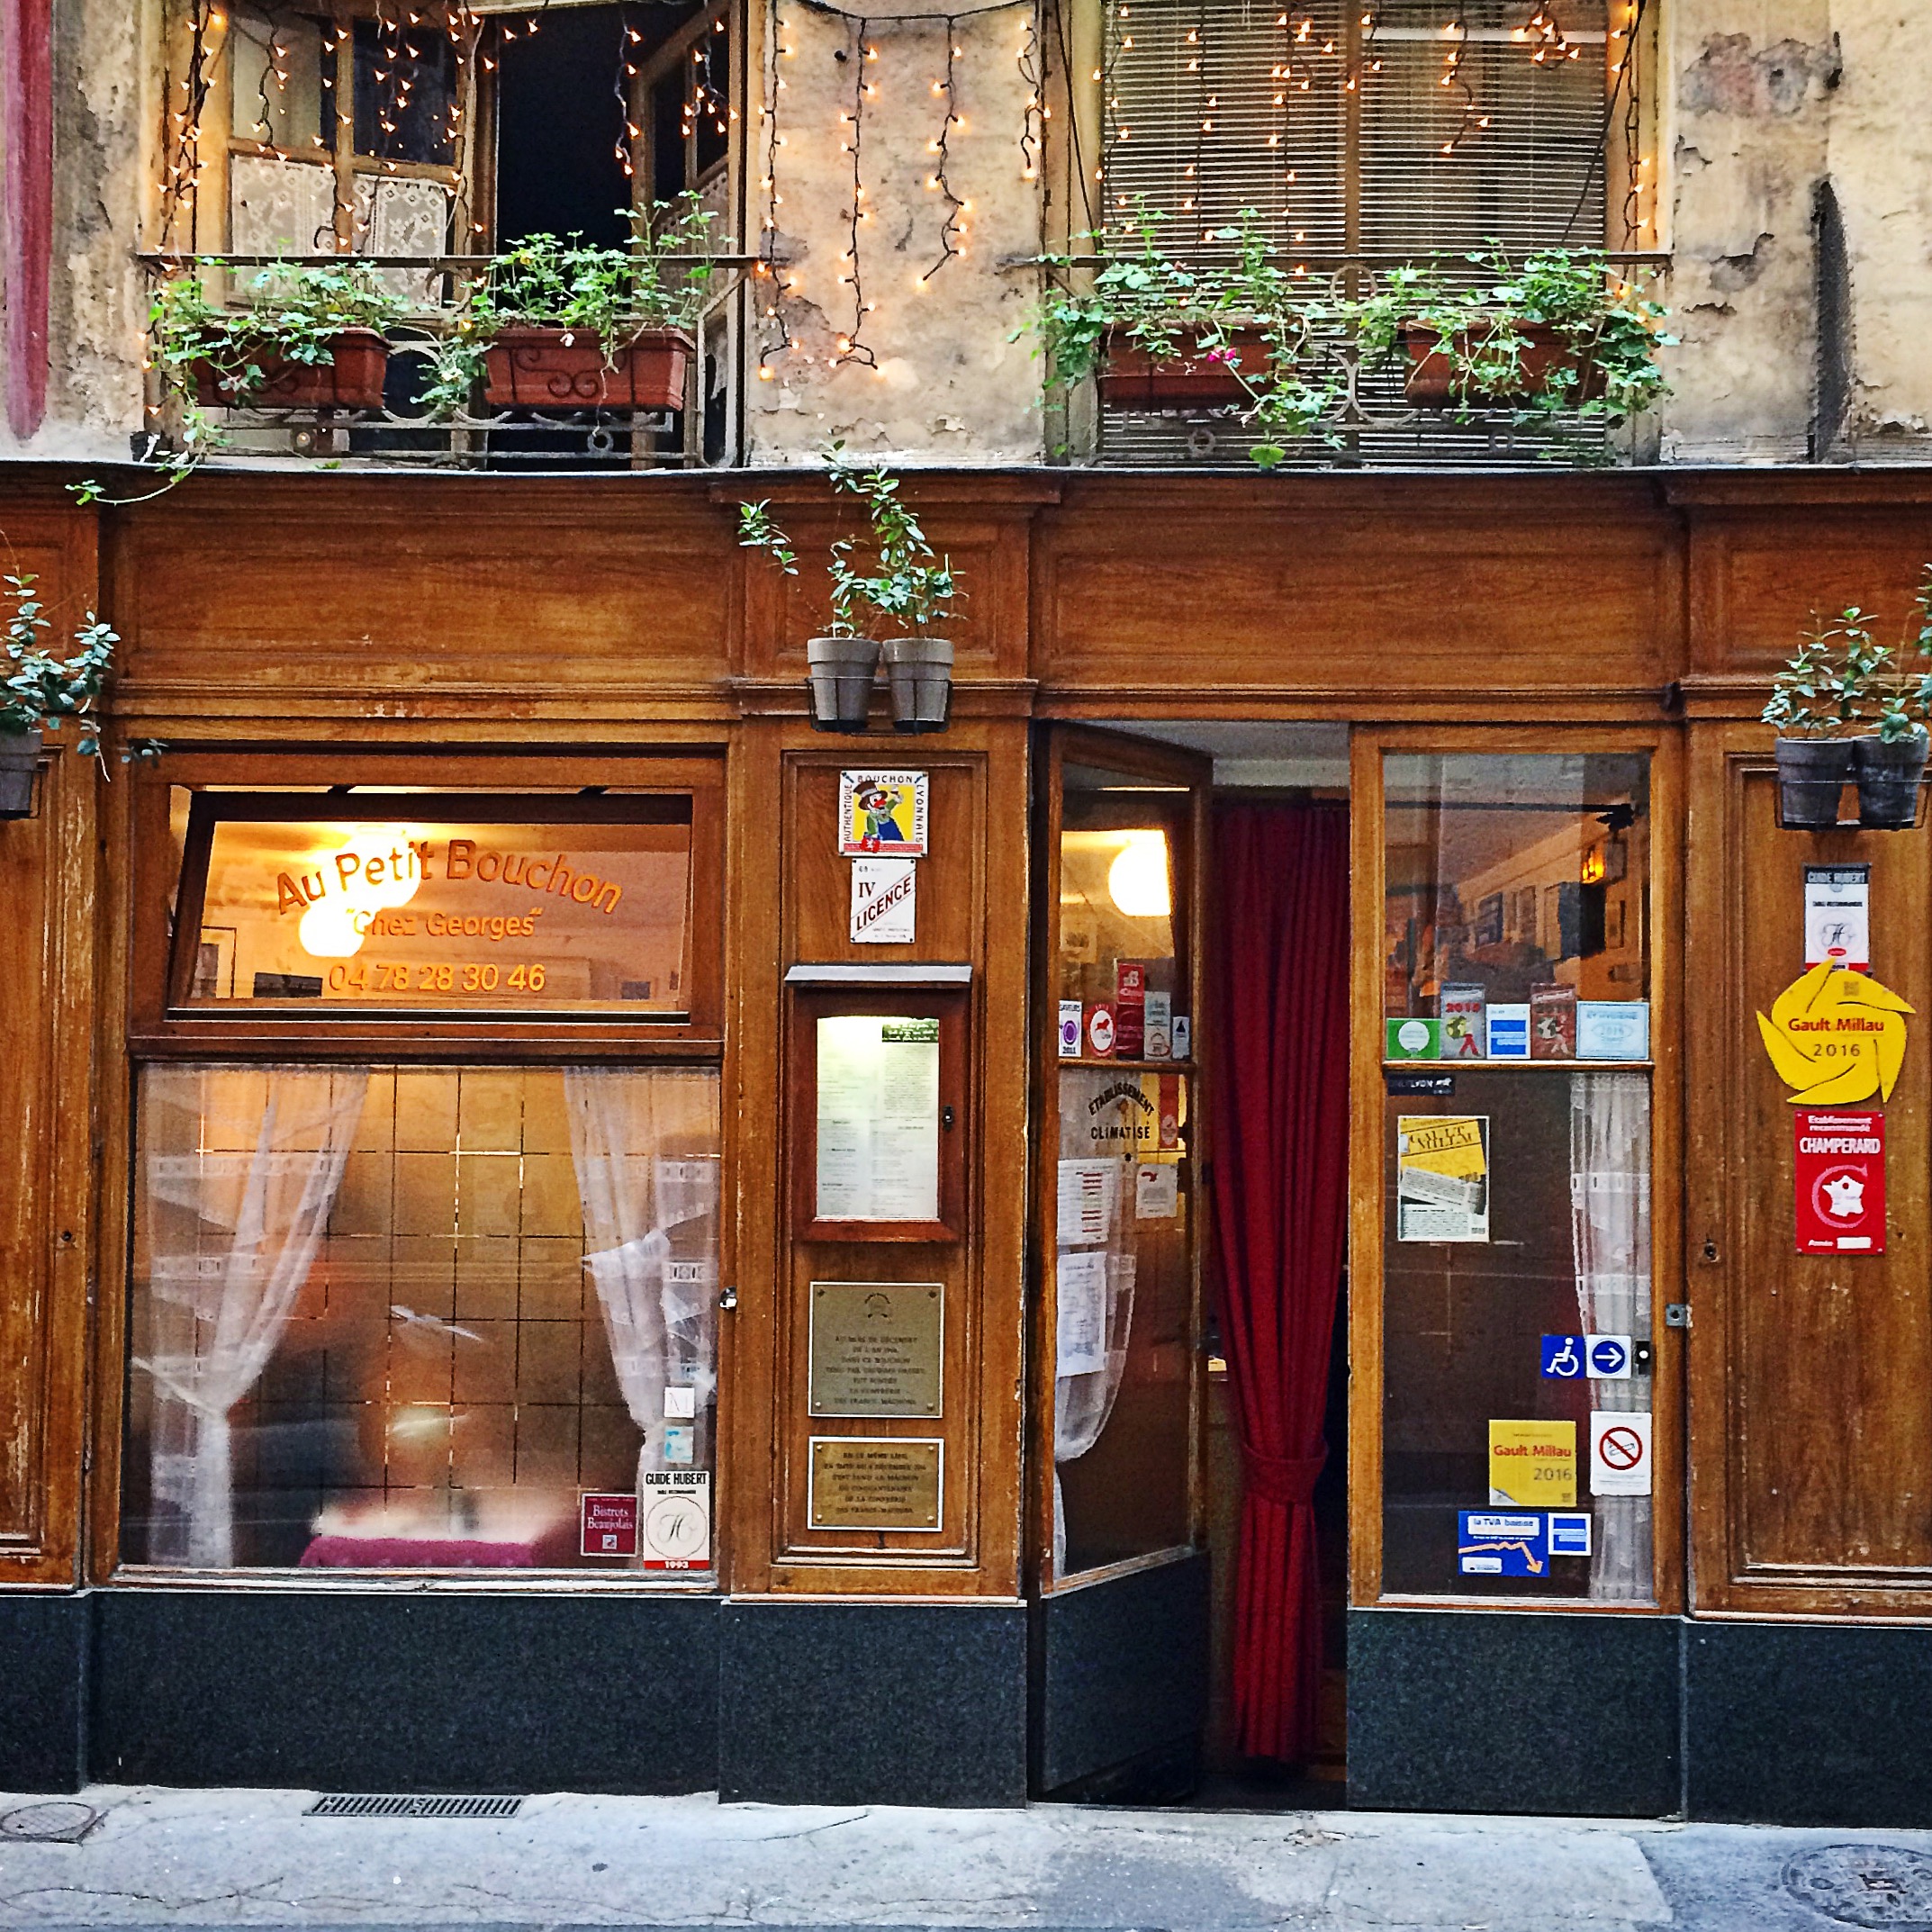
point(1837, 1036)
point(1443, 1143)
point(1533, 1465)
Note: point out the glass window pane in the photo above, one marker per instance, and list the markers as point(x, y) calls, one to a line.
point(1517, 1196)
point(401, 1317)
point(440, 913)
point(1124, 1301)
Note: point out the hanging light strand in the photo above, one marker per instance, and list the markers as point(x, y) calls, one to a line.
point(853, 347)
point(949, 230)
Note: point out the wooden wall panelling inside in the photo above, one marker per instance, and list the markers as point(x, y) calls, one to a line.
point(1811, 1426)
point(1367, 1127)
point(970, 911)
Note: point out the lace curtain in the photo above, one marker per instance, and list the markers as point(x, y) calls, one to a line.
point(1610, 1239)
point(240, 1170)
point(645, 1149)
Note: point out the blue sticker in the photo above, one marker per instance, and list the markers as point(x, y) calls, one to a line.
point(1563, 1357)
point(1501, 1543)
point(1610, 1355)
point(1569, 1533)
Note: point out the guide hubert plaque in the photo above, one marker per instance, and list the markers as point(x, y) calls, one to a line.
point(876, 1348)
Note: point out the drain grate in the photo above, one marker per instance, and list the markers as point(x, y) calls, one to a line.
point(363, 1805)
point(1887, 1886)
point(61, 1822)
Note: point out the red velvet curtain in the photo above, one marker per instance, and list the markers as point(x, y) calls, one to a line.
point(1279, 1096)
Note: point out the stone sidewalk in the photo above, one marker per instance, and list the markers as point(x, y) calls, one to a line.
point(151, 1857)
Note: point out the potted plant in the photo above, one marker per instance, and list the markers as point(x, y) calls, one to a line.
point(560, 323)
point(43, 692)
point(1560, 331)
point(308, 338)
point(910, 587)
point(1890, 761)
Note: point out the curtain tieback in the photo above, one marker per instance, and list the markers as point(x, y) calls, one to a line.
point(1288, 1480)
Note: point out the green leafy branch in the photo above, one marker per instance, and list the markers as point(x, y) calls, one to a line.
point(42, 690)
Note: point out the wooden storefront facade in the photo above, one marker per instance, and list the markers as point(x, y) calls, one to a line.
point(477, 636)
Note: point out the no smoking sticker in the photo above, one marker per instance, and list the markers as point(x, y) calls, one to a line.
point(1620, 1452)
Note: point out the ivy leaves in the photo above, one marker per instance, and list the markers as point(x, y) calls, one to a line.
point(42, 690)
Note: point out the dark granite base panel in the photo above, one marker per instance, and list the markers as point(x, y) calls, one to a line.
point(43, 1656)
point(1465, 1710)
point(1120, 1671)
point(360, 1690)
point(1808, 1724)
point(874, 1703)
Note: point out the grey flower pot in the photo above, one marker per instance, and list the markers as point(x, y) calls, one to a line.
point(1888, 780)
point(20, 751)
point(842, 672)
point(920, 673)
point(1811, 774)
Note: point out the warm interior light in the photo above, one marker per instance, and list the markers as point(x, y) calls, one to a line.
point(1137, 881)
point(375, 869)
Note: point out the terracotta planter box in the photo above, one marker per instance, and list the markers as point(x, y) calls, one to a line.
point(351, 380)
point(1430, 377)
point(558, 369)
point(1131, 379)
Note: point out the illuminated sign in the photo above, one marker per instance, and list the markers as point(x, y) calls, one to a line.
point(571, 903)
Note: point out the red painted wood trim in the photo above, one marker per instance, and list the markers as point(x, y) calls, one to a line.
point(27, 130)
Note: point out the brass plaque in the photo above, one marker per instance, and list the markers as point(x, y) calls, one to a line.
point(874, 1483)
point(876, 1348)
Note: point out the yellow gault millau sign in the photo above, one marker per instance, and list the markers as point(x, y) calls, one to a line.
point(1836, 1035)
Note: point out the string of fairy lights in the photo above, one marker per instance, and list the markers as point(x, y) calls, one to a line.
point(422, 59)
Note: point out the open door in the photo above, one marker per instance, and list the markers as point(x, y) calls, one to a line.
point(1118, 1558)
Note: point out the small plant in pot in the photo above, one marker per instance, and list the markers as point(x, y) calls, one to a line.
point(562, 323)
point(43, 692)
point(910, 587)
point(1814, 705)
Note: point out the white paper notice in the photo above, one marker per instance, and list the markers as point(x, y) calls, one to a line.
point(1080, 1311)
point(1156, 1190)
point(1837, 916)
point(1088, 1190)
point(878, 1118)
point(882, 901)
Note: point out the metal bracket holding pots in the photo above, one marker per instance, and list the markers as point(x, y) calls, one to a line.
point(19, 757)
point(1814, 772)
point(843, 669)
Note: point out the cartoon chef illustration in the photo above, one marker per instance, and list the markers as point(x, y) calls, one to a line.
point(877, 805)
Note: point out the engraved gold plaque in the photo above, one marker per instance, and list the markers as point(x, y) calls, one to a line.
point(877, 1347)
point(874, 1483)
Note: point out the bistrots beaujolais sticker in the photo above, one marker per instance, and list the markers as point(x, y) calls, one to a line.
point(1839, 1181)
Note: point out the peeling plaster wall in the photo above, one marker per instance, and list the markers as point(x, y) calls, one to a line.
point(956, 380)
point(103, 89)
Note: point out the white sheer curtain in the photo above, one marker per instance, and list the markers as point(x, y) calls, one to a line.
point(241, 1167)
point(1610, 1239)
point(645, 1144)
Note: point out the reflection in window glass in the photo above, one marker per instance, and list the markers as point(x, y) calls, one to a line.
point(407, 1318)
point(1517, 1206)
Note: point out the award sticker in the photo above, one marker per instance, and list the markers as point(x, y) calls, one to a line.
point(675, 1530)
point(882, 812)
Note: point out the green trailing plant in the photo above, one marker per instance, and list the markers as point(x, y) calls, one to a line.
point(563, 282)
point(1486, 318)
point(291, 313)
point(42, 690)
point(1842, 682)
point(909, 583)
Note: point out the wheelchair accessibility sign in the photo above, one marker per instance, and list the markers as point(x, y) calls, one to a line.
point(1599, 1358)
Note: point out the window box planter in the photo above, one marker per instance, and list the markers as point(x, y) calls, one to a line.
point(566, 368)
point(1888, 777)
point(1430, 379)
point(1200, 378)
point(20, 751)
point(352, 379)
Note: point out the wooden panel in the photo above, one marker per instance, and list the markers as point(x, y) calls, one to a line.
point(1361, 596)
point(411, 588)
point(1811, 1429)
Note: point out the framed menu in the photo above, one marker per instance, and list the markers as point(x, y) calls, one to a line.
point(878, 1114)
